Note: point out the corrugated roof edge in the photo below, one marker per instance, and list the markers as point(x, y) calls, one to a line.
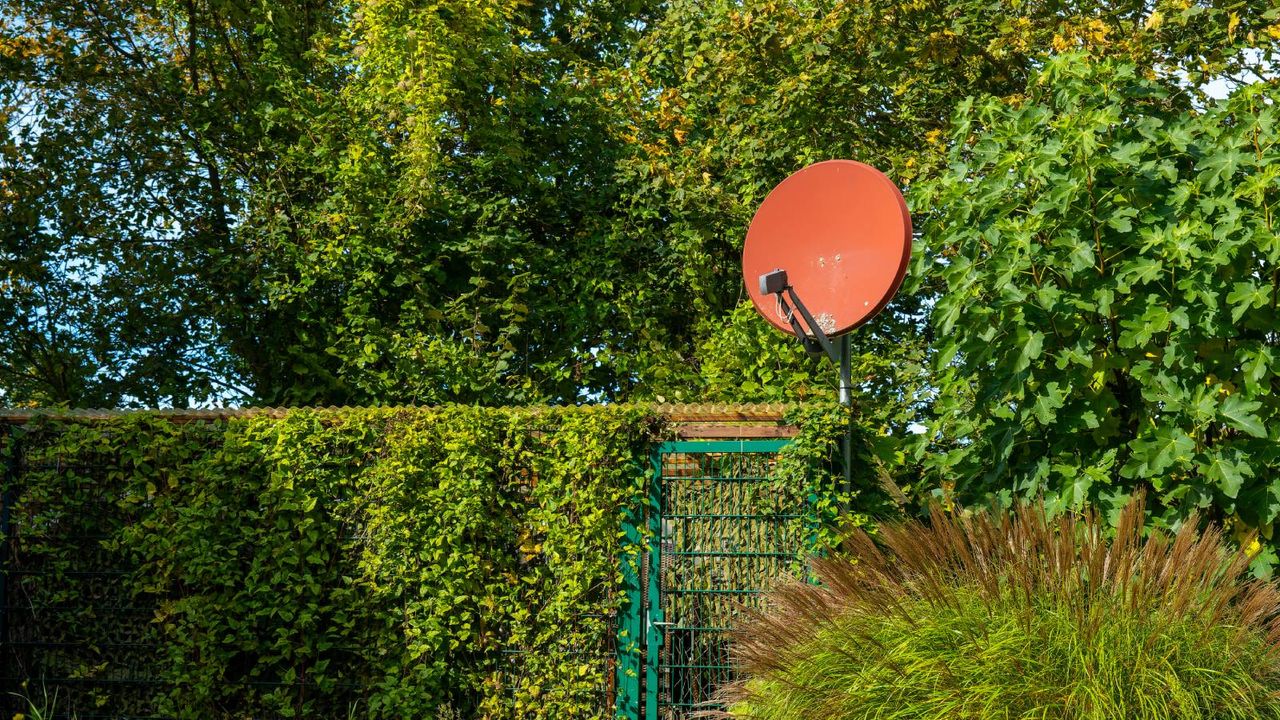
point(694, 412)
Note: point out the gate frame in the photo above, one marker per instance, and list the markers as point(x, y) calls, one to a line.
point(640, 634)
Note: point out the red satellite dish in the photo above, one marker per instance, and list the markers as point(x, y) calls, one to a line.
point(841, 232)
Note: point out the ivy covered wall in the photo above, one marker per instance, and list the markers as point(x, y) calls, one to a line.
point(426, 562)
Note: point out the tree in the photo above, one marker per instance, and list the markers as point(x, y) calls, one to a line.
point(1108, 314)
point(133, 130)
point(342, 201)
point(447, 246)
point(729, 98)
point(326, 202)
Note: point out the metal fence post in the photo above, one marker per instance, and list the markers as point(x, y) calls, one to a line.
point(654, 616)
point(9, 442)
point(631, 648)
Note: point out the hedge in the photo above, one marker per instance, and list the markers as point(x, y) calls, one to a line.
point(426, 562)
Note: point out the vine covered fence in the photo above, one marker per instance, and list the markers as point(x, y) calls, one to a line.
point(424, 562)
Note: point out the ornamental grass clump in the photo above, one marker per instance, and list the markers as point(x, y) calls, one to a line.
point(1014, 615)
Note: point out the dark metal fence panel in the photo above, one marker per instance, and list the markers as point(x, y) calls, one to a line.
point(8, 476)
point(715, 530)
point(76, 641)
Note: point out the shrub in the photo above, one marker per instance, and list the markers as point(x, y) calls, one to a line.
point(1017, 616)
point(1108, 313)
point(384, 562)
point(448, 562)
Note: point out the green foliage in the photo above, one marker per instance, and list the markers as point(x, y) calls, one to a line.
point(446, 244)
point(38, 707)
point(992, 617)
point(743, 359)
point(360, 201)
point(813, 462)
point(395, 562)
point(732, 97)
point(400, 561)
point(310, 201)
point(1108, 317)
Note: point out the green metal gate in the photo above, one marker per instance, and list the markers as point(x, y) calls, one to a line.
point(718, 529)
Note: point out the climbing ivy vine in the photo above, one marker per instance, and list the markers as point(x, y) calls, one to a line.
point(384, 563)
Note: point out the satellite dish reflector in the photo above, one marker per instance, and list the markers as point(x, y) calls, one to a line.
point(840, 233)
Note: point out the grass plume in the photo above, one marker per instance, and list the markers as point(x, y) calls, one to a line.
point(1017, 616)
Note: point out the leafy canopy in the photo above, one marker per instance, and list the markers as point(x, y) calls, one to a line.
point(1107, 319)
point(360, 201)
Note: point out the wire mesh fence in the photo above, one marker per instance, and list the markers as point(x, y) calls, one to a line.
point(73, 636)
point(81, 623)
point(78, 639)
point(728, 530)
point(84, 629)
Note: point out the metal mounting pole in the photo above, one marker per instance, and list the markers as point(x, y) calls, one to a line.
point(846, 380)
point(846, 399)
point(816, 341)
